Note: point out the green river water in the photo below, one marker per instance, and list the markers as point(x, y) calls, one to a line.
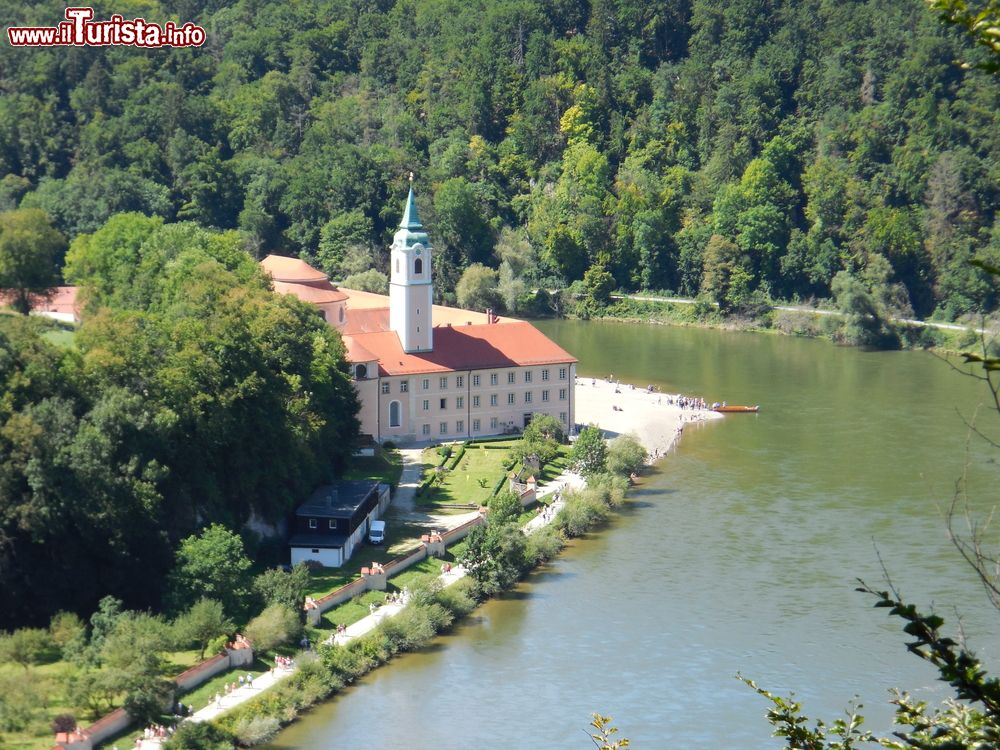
point(738, 554)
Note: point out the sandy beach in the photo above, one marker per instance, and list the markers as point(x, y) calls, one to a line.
point(652, 417)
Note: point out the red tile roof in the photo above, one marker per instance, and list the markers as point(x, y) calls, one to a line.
point(356, 351)
point(62, 300)
point(442, 315)
point(291, 270)
point(318, 293)
point(368, 320)
point(474, 347)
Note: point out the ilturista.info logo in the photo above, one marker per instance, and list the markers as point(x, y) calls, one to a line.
point(80, 30)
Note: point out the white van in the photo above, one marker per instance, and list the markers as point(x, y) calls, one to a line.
point(376, 534)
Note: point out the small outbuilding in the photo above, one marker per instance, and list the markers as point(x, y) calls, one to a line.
point(334, 520)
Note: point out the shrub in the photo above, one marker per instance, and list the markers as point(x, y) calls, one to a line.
point(275, 625)
point(543, 545)
point(625, 455)
point(583, 510)
point(255, 730)
point(457, 598)
point(410, 629)
point(202, 735)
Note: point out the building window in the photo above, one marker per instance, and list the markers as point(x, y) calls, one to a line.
point(444, 403)
point(315, 551)
point(331, 524)
point(527, 376)
point(394, 414)
point(427, 404)
point(312, 523)
point(426, 384)
point(361, 372)
point(562, 394)
point(493, 423)
point(545, 395)
point(404, 386)
point(562, 417)
point(425, 429)
point(443, 383)
point(460, 425)
point(341, 315)
point(460, 403)
point(493, 378)
point(475, 381)
point(527, 397)
point(545, 374)
point(510, 377)
point(510, 398)
point(475, 402)
point(443, 428)
point(475, 425)
point(493, 399)
point(418, 267)
point(459, 381)
point(562, 373)
point(385, 387)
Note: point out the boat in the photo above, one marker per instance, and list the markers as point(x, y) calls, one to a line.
point(738, 409)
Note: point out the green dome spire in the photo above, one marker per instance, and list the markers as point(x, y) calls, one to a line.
point(410, 218)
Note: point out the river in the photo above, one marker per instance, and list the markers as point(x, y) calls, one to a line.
point(739, 553)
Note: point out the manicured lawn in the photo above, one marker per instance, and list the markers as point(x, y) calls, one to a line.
point(557, 466)
point(472, 481)
point(385, 466)
point(60, 337)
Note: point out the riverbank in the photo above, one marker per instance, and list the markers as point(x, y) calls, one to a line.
point(794, 320)
point(622, 408)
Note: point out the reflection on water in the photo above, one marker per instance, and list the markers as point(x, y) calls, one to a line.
point(739, 553)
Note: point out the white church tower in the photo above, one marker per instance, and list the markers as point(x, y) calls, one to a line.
point(411, 292)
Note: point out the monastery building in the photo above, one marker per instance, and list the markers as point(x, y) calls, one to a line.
point(427, 372)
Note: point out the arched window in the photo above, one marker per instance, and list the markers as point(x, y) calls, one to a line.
point(341, 314)
point(361, 372)
point(418, 266)
point(394, 418)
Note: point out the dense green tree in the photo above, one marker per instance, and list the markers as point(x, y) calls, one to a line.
point(495, 555)
point(625, 455)
point(214, 565)
point(590, 452)
point(30, 250)
point(477, 289)
point(202, 623)
point(275, 586)
point(27, 646)
point(276, 625)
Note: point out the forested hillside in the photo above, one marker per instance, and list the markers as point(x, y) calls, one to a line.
point(193, 394)
point(747, 150)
